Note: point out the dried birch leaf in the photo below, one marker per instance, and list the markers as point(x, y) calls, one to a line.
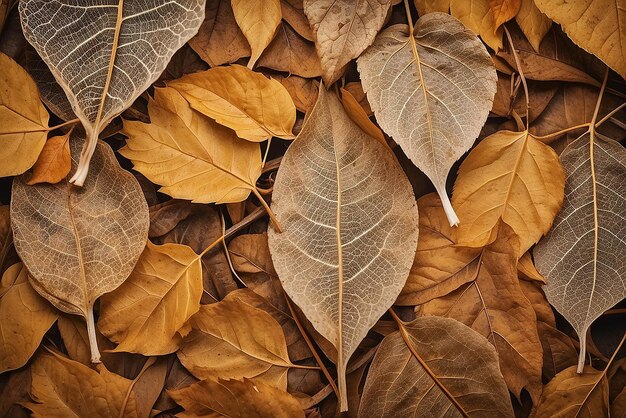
point(158, 298)
point(190, 155)
point(106, 54)
point(258, 21)
point(236, 399)
point(440, 266)
point(24, 317)
point(510, 177)
point(54, 161)
point(254, 106)
point(597, 26)
point(571, 394)
point(422, 370)
point(494, 305)
point(582, 256)
point(79, 243)
point(431, 92)
point(343, 29)
point(232, 340)
point(350, 228)
point(23, 119)
point(65, 388)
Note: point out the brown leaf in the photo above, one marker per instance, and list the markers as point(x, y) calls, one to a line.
point(303, 91)
point(219, 39)
point(571, 394)
point(527, 270)
point(236, 399)
point(8, 257)
point(533, 23)
point(359, 116)
point(14, 391)
point(356, 90)
point(144, 314)
point(24, 317)
point(440, 266)
point(423, 370)
point(76, 341)
point(494, 305)
point(477, 16)
point(258, 21)
point(291, 53)
point(54, 162)
point(293, 13)
point(539, 96)
point(79, 243)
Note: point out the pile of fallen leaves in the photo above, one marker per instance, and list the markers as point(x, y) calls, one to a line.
point(288, 208)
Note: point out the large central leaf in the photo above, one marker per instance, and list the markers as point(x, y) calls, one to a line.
point(350, 228)
point(105, 53)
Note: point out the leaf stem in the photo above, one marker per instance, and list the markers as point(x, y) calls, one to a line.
point(69, 122)
point(268, 210)
point(409, 18)
point(547, 139)
point(91, 332)
point(520, 71)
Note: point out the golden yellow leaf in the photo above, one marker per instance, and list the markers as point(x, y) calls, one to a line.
point(190, 155)
point(303, 91)
point(65, 388)
point(158, 298)
point(504, 10)
point(527, 270)
point(477, 16)
point(513, 177)
point(24, 317)
point(359, 116)
point(440, 265)
point(54, 162)
point(428, 6)
point(597, 26)
point(258, 21)
point(231, 339)
point(533, 23)
point(23, 119)
point(236, 399)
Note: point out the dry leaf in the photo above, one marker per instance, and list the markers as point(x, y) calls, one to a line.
point(236, 399)
point(219, 39)
point(129, 45)
point(434, 109)
point(76, 341)
point(65, 388)
point(190, 155)
point(258, 21)
point(440, 266)
point(24, 317)
point(527, 270)
point(54, 161)
point(8, 257)
point(343, 29)
point(359, 116)
point(79, 243)
point(504, 10)
point(291, 53)
point(23, 119)
point(356, 90)
point(494, 305)
point(293, 13)
point(303, 91)
point(618, 405)
point(158, 298)
point(597, 26)
point(254, 106)
point(510, 177)
point(349, 228)
point(571, 394)
point(232, 340)
point(582, 256)
point(477, 16)
point(431, 377)
point(533, 23)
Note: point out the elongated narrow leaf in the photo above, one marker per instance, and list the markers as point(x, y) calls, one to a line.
point(582, 258)
point(422, 370)
point(79, 243)
point(350, 228)
point(431, 92)
point(105, 53)
point(190, 155)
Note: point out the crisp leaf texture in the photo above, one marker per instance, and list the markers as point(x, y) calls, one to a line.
point(65, 388)
point(190, 155)
point(582, 256)
point(533, 23)
point(158, 298)
point(54, 162)
point(232, 339)
point(570, 394)
point(422, 370)
point(24, 317)
point(128, 45)
point(431, 92)
point(494, 305)
point(79, 243)
point(236, 399)
point(597, 26)
point(511, 177)
point(258, 21)
point(350, 228)
point(477, 16)
point(440, 266)
point(23, 119)
point(343, 29)
point(254, 106)
point(504, 10)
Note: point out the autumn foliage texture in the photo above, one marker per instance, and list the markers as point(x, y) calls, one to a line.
point(288, 208)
